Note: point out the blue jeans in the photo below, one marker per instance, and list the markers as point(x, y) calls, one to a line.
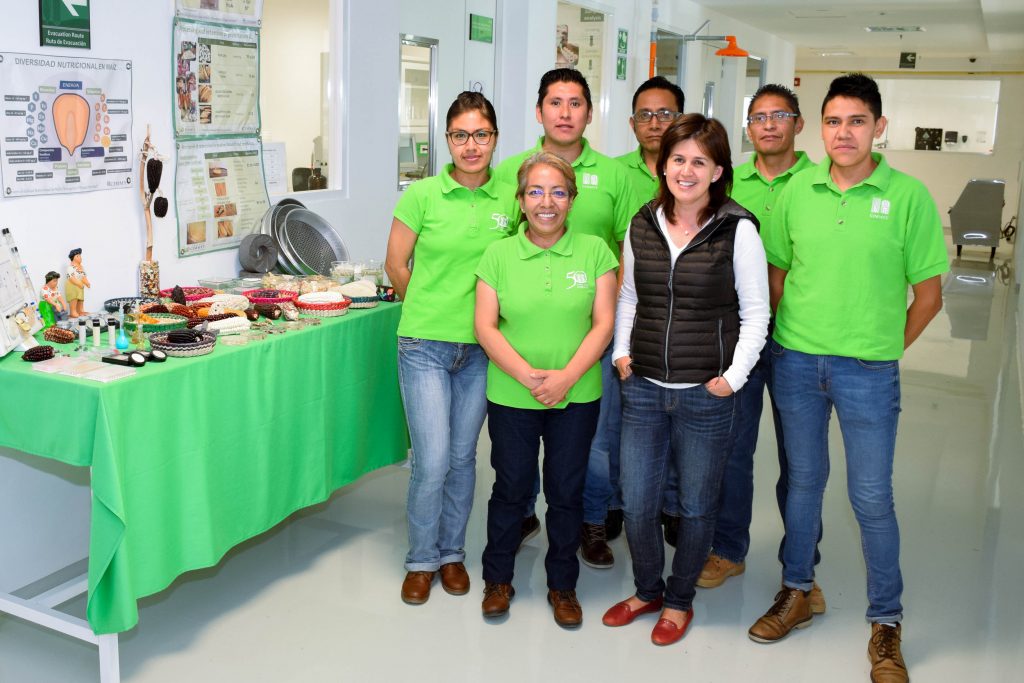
point(732, 531)
point(444, 391)
point(515, 446)
point(866, 396)
point(601, 490)
point(692, 428)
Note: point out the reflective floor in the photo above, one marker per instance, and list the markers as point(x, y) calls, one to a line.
point(317, 599)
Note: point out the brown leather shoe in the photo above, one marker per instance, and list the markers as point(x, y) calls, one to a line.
point(497, 597)
point(792, 609)
point(887, 664)
point(717, 569)
point(817, 599)
point(454, 578)
point(416, 587)
point(567, 610)
point(594, 550)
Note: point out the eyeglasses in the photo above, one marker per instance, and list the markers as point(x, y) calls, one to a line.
point(663, 115)
point(777, 116)
point(461, 137)
point(556, 194)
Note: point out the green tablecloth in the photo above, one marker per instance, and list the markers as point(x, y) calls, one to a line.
point(191, 457)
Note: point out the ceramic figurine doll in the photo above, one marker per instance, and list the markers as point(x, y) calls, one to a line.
point(51, 295)
point(76, 284)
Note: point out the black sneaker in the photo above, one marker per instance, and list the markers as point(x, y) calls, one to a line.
point(613, 524)
point(530, 528)
point(671, 524)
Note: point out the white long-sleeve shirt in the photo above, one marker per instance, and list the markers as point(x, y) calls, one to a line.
point(751, 281)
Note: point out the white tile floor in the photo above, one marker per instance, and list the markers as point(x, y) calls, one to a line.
point(317, 599)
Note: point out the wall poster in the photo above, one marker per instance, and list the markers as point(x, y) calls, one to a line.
point(232, 11)
point(66, 124)
point(220, 193)
point(216, 79)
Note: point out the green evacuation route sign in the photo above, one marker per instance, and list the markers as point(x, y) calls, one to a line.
point(64, 23)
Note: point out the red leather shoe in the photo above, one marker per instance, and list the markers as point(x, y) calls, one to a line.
point(620, 613)
point(666, 633)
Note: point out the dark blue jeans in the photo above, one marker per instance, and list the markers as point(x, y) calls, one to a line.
point(690, 427)
point(866, 397)
point(516, 434)
point(732, 531)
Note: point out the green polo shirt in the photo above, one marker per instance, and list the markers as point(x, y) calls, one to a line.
point(546, 301)
point(455, 225)
point(850, 256)
point(755, 193)
point(645, 184)
point(606, 201)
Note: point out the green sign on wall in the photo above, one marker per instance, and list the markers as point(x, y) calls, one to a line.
point(64, 23)
point(481, 28)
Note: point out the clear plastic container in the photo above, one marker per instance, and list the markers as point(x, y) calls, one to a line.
point(342, 272)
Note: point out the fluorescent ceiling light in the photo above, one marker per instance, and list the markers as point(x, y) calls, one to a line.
point(894, 29)
point(839, 53)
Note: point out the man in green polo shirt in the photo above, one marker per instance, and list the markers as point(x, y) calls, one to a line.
point(656, 104)
point(773, 122)
point(604, 207)
point(846, 240)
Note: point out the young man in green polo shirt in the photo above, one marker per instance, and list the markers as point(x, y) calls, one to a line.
point(846, 240)
point(656, 104)
point(604, 207)
point(773, 122)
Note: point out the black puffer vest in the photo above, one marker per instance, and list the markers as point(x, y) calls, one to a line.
point(687, 318)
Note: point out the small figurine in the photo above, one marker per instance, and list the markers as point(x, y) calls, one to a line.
point(51, 295)
point(76, 284)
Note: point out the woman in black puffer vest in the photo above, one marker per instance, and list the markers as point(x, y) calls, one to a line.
point(691, 320)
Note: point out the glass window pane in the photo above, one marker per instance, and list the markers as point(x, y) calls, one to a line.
point(415, 111)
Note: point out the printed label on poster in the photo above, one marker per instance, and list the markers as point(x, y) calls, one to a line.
point(216, 84)
point(65, 125)
point(232, 11)
point(220, 193)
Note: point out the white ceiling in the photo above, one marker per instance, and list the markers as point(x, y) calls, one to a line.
point(990, 30)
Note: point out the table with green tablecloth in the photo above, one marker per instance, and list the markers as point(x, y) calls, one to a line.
point(190, 457)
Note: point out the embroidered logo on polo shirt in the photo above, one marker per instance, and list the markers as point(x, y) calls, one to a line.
point(589, 180)
point(577, 278)
point(879, 209)
point(500, 222)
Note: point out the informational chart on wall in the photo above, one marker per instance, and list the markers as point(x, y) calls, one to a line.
point(220, 191)
point(231, 11)
point(216, 82)
point(66, 124)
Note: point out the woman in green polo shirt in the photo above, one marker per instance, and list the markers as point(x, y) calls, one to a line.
point(545, 307)
point(444, 223)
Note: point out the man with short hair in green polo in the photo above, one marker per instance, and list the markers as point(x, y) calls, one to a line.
point(604, 207)
point(848, 238)
point(656, 104)
point(773, 122)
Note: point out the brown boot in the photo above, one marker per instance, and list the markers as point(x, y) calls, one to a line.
point(566, 608)
point(497, 597)
point(416, 587)
point(454, 578)
point(792, 609)
point(594, 550)
point(887, 664)
point(817, 599)
point(717, 569)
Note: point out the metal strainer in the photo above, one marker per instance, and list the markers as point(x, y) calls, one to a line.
point(311, 242)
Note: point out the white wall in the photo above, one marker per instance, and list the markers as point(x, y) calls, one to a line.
point(529, 46)
point(944, 173)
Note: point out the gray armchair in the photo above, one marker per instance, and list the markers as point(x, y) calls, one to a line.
point(976, 218)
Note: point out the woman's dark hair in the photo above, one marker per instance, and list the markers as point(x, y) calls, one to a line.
point(563, 76)
point(713, 140)
point(471, 101)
